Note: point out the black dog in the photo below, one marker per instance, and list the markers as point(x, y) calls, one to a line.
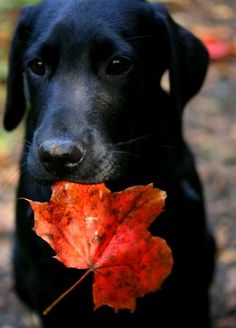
point(90, 71)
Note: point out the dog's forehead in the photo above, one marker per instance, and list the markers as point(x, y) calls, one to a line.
point(86, 17)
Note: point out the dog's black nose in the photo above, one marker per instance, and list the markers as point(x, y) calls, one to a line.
point(60, 155)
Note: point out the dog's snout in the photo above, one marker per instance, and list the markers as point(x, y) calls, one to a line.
point(58, 156)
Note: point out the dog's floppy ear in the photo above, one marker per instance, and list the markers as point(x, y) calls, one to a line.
point(15, 100)
point(187, 59)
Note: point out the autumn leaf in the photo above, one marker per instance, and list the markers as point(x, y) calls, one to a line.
point(89, 227)
point(219, 49)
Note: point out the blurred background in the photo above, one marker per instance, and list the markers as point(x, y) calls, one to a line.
point(210, 127)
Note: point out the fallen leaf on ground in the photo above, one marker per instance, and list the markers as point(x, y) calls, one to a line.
point(219, 49)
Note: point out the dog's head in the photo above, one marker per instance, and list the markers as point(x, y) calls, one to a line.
point(90, 71)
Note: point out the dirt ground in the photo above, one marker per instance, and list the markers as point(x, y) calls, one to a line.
point(210, 127)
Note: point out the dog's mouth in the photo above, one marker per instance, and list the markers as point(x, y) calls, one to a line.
point(48, 181)
point(113, 185)
point(114, 182)
point(105, 168)
point(115, 172)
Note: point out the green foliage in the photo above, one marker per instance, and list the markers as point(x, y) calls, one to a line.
point(8, 4)
point(23, 2)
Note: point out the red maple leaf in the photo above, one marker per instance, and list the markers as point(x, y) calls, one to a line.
point(89, 227)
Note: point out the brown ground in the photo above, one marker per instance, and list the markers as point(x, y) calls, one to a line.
point(210, 125)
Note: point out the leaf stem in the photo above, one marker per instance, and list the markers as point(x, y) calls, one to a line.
point(54, 303)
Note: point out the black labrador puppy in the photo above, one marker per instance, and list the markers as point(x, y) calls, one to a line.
point(89, 73)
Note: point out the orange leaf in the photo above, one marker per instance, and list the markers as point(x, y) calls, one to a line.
point(219, 49)
point(90, 227)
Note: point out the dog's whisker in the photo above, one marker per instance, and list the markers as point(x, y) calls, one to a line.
point(10, 178)
point(127, 153)
point(133, 140)
point(28, 143)
point(149, 36)
point(7, 158)
point(167, 146)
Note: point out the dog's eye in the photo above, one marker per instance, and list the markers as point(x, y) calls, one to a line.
point(119, 66)
point(37, 66)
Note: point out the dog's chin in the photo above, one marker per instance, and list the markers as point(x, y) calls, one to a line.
point(112, 179)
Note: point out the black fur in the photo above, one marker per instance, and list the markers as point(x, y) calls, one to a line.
point(90, 72)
